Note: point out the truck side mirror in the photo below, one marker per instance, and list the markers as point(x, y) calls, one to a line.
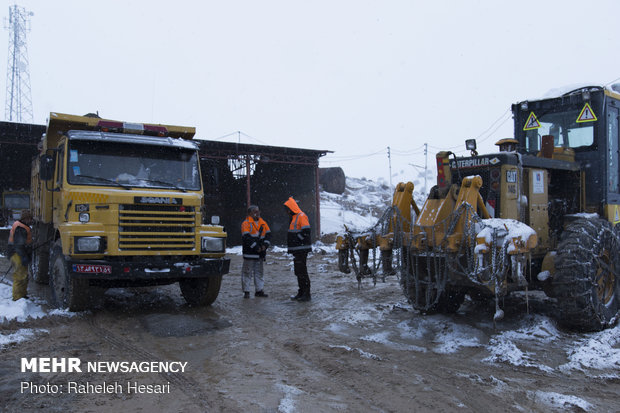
point(46, 167)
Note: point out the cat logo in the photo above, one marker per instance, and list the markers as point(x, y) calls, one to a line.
point(531, 123)
point(586, 115)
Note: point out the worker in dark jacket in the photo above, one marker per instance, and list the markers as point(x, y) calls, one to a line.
point(255, 238)
point(299, 242)
point(19, 250)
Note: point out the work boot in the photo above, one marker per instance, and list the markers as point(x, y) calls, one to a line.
point(246, 294)
point(296, 297)
point(260, 293)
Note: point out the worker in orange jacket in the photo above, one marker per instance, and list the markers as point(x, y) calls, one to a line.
point(19, 250)
point(299, 240)
point(255, 238)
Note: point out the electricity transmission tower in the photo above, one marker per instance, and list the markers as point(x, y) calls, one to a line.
point(18, 98)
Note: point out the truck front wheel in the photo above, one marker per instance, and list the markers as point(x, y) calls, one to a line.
point(39, 265)
point(67, 292)
point(200, 292)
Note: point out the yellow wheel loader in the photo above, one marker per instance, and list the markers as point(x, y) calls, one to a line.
point(539, 214)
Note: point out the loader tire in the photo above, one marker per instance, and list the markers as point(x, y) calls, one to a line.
point(448, 302)
point(424, 295)
point(587, 278)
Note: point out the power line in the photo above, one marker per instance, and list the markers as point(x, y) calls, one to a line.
point(239, 134)
point(498, 126)
point(613, 81)
point(353, 157)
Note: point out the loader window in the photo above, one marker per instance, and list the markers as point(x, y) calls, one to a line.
point(566, 131)
point(129, 165)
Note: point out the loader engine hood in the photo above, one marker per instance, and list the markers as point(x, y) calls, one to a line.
point(489, 168)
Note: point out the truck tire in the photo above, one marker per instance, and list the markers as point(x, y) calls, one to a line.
point(67, 292)
point(39, 265)
point(587, 279)
point(200, 292)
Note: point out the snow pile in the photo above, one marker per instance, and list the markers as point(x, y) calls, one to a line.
point(287, 403)
point(20, 335)
point(505, 230)
point(21, 311)
point(596, 351)
point(560, 401)
point(358, 208)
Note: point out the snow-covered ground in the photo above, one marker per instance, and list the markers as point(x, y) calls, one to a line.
point(596, 354)
point(21, 311)
point(360, 207)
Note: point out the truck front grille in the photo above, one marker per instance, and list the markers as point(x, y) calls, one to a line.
point(156, 228)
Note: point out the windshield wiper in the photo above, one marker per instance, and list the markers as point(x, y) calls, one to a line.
point(156, 181)
point(99, 178)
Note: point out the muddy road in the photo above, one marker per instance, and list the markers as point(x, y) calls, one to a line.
point(346, 350)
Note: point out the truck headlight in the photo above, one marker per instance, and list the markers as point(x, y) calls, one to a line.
point(212, 244)
point(89, 244)
point(84, 217)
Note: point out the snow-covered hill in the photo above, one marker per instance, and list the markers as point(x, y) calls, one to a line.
point(359, 207)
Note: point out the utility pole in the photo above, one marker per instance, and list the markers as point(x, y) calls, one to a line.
point(18, 97)
point(425, 166)
point(390, 165)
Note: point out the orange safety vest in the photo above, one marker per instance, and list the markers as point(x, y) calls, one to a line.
point(250, 226)
point(258, 232)
point(299, 222)
point(24, 226)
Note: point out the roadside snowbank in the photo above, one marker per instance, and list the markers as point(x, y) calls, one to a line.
point(21, 311)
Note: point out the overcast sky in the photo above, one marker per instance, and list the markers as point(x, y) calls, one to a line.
point(350, 76)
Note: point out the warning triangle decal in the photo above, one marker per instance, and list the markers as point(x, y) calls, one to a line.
point(531, 123)
point(586, 115)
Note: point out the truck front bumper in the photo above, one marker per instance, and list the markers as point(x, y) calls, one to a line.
point(143, 270)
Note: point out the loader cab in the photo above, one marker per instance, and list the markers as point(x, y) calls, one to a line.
point(579, 126)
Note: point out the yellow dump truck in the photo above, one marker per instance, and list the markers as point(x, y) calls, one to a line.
point(120, 204)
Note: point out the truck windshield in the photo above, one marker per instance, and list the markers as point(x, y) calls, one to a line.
point(562, 125)
point(130, 165)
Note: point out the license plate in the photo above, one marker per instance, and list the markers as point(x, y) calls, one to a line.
point(92, 269)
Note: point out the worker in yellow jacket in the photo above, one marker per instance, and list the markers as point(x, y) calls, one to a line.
point(19, 251)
